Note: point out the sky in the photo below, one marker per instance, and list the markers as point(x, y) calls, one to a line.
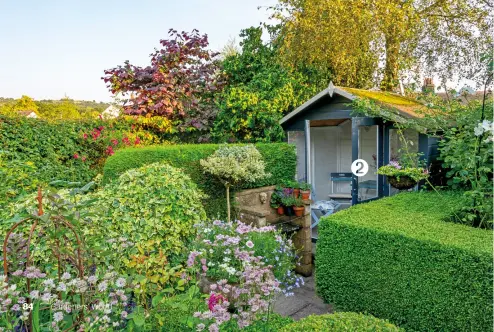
point(53, 48)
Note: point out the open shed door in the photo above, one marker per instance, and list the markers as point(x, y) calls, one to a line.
point(367, 144)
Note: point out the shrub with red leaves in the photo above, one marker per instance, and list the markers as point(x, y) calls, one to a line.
point(180, 83)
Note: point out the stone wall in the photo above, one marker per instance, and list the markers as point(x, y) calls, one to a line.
point(254, 209)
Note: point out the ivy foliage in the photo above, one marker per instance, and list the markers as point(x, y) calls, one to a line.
point(399, 250)
point(259, 92)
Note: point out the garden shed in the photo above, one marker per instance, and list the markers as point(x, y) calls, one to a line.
point(329, 136)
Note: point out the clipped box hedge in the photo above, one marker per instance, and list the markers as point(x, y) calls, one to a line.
point(340, 322)
point(397, 258)
point(280, 159)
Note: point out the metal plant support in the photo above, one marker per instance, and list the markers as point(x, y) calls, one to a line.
point(59, 221)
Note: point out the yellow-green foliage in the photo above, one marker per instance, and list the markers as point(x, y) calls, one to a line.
point(155, 205)
point(398, 258)
point(340, 322)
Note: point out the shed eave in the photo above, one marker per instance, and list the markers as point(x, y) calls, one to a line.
point(302, 107)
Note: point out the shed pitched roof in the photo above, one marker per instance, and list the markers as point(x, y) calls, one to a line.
point(404, 106)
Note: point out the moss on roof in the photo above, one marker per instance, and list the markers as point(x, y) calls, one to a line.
point(404, 105)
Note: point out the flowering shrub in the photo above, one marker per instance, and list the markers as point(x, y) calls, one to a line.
point(466, 152)
point(247, 266)
point(222, 251)
point(90, 303)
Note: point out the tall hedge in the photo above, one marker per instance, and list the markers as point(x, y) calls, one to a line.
point(58, 149)
point(280, 160)
point(397, 258)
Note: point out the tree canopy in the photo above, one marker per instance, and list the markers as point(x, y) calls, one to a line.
point(354, 37)
point(179, 84)
point(259, 91)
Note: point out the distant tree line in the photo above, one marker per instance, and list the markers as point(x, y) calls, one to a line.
point(63, 109)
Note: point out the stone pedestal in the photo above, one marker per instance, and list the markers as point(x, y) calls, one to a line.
point(303, 242)
point(254, 209)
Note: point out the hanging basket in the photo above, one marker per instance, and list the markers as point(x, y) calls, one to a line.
point(402, 183)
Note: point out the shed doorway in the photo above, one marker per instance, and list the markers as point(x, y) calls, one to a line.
point(331, 157)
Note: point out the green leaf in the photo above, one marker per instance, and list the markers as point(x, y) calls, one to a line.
point(35, 317)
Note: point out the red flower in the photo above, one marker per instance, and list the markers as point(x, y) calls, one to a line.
point(76, 156)
point(84, 136)
point(214, 299)
point(125, 140)
point(114, 141)
point(101, 128)
point(137, 141)
point(109, 150)
point(83, 158)
point(100, 116)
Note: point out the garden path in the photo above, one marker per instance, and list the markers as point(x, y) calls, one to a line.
point(303, 303)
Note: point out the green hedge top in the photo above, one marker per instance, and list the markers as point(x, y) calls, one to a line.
point(280, 160)
point(341, 321)
point(417, 215)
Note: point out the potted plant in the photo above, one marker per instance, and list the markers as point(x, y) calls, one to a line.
point(275, 202)
point(305, 190)
point(288, 202)
point(296, 189)
point(401, 177)
point(298, 207)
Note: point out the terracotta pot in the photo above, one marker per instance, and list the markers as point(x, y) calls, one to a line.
point(280, 210)
point(296, 193)
point(299, 210)
point(403, 183)
point(305, 194)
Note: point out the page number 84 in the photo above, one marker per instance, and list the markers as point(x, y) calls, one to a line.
point(27, 306)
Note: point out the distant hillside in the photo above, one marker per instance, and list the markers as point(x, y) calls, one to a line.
point(65, 108)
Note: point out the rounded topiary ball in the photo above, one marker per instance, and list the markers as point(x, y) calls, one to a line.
point(341, 321)
point(155, 206)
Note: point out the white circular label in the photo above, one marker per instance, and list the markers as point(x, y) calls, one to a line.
point(360, 167)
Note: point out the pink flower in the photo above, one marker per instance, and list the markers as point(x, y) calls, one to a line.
point(76, 156)
point(114, 141)
point(250, 244)
point(215, 299)
point(109, 150)
point(84, 136)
